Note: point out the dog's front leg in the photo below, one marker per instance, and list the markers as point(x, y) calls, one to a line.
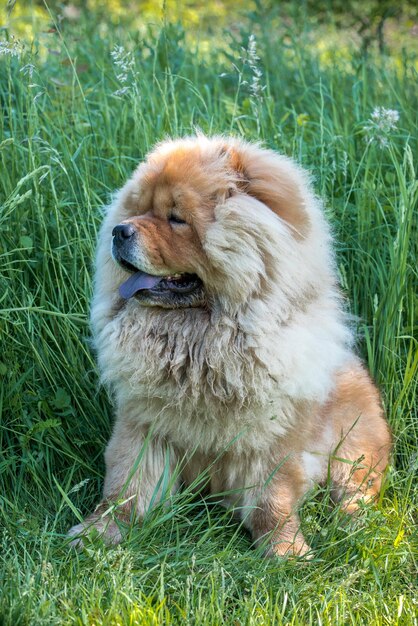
point(271, 513)
point(139, 470)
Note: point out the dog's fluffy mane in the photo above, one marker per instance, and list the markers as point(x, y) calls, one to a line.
point(273, 333)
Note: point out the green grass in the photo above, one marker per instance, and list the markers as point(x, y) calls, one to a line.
point(66, 142)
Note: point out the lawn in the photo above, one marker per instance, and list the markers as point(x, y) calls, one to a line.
point(83, 98)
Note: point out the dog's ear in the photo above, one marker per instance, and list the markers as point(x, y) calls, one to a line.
point(275, 181)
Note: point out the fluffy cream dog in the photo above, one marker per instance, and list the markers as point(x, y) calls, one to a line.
point(219, 328)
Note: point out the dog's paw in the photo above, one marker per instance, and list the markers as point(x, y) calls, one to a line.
point(288, 549)
point(103, 529)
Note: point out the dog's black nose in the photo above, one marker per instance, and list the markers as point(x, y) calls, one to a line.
point(123, 231)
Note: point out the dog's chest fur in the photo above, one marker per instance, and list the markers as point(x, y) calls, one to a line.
point(193, 378)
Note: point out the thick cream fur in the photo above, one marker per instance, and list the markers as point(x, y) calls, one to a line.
point(247, 383)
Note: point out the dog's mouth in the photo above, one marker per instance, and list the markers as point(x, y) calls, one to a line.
point(143, 284)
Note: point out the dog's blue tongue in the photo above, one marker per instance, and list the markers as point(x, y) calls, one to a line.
point(137, 282)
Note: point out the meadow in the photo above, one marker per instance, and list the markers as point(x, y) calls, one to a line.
point(83, 98)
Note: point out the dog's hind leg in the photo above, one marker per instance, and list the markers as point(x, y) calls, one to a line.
point(362, 446)
point(356, 470)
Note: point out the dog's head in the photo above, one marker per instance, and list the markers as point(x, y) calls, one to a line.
point(207, 218)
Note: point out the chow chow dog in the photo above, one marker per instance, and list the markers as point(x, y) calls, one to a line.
point(220, 331)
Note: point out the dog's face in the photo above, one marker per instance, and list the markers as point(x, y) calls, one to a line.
point(191, 220)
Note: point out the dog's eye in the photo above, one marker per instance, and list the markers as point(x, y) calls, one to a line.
point(174, 219)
